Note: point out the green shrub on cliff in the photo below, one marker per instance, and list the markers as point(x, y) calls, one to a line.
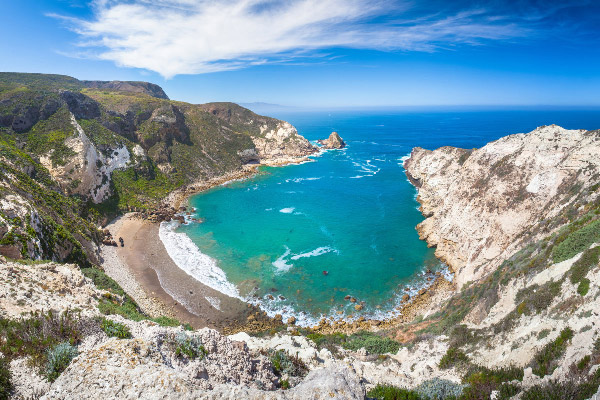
point(5, 377)
point(115, 329)
point(544, 362)
point(453, 357)
point(373, 343)
point(59, 357)
point(577, 241)
point(389, 392)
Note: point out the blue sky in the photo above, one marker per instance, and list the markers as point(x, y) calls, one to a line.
point(319, 53)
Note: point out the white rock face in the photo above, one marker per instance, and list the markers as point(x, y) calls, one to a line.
point(282, 144)
point(88, 171)
point(478, 204)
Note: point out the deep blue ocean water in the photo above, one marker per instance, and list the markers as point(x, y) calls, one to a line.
point(351, 212)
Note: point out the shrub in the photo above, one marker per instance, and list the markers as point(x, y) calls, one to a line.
point(581, 267)
point(59, 358)
point(439, 389)
point(189, 346)
point(371, 342)
point(568, 389)
point(507, 391)
point(284, 364)
point(389, 392)
point(584, 362)
point(544, 362)
point(5, 384)
point(535, 298)
point(577, 241)
point(483, 381)
point(33, 335)
point(584, 287)
point(452, 357)
point(115, 329)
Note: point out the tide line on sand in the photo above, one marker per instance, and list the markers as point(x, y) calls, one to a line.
point(186, 255)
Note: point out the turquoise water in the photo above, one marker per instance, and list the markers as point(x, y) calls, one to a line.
point(351, 212)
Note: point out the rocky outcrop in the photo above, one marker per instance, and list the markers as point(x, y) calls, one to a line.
point(334, 141)
point(281, 144)
point(26, 288)
point(482, 204)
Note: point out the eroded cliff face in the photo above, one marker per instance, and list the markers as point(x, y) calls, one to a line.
point(481, 204)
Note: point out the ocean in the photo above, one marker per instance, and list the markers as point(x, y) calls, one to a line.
point(298, 240)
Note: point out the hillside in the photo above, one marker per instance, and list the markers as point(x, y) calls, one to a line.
point(74, 153)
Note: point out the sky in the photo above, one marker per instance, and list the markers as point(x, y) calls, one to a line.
point(319, 53)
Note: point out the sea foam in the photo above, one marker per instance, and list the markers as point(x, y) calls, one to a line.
point(287, 210)
point(192, 261)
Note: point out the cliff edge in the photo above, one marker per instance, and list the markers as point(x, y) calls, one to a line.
point(481, 205)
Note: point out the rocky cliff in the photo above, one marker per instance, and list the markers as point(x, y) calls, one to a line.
point(77, 152)
point(482, 205)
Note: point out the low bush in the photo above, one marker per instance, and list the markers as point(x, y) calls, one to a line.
point(589, 259)
point(577, 241)
point(5, 383)
point(482, 381)
point(584, 287)
point(389, 392)
point(371, 342)
point(284, 364)
point(115, 329)
point(439, 389)
point(33, 335)
point(189, 346)
point(453, 357)
point(59, 358)
point(568, 389)
point(535, 298)
point(507, 391)
point(544, 362)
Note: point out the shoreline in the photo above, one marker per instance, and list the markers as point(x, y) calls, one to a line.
point(160, 287)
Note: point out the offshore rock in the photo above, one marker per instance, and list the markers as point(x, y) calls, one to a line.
point(333, 142)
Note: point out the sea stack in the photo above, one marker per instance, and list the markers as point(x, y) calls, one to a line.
point(333, 142)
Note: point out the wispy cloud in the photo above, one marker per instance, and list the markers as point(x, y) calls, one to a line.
point(175, 37)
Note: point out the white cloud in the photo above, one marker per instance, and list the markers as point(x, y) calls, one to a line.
point(198, 36)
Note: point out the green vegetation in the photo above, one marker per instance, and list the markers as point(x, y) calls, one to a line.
point(59, 358)
point(115, 329)
point(389, 392)
point(189, 346)
point(370, 341)
point(580, 389)
point(33, 335)
point(576, 241)
point(544, 362)
point(5, 377)
point(284, 364)
point(453, 357)
point(589, 259)
point(440, 389)
point(535, 298)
